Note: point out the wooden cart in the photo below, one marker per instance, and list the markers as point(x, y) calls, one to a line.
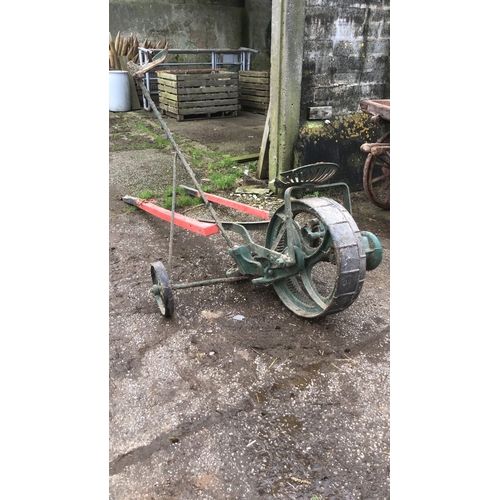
point(376, 172)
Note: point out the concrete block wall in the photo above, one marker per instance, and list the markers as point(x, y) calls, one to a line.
point(197, 24)
point(346, 54)
point(346, 59)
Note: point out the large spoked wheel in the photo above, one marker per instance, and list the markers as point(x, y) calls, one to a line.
point(161, 289)
point(376, 176)
point(334, 257)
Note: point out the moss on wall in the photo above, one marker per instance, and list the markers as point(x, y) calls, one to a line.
point(338, 143)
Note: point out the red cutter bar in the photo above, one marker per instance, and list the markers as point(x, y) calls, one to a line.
point(194, 225)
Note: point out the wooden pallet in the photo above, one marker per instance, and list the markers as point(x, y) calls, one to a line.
point(254, 90)
point(198, 93)
point(198, 115)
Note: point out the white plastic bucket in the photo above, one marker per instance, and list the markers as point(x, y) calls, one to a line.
point(119, 91)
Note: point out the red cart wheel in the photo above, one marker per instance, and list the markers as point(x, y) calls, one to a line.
point(376, 176)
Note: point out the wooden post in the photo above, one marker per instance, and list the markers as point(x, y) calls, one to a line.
point(263, 163)
point(287, 48)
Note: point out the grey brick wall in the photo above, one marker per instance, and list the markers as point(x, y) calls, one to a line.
point(346, 54)
point(346, 60)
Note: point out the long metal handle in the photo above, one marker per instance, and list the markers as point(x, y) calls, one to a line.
point(145, 91)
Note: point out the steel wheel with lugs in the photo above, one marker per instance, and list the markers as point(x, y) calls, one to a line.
point(334, 261)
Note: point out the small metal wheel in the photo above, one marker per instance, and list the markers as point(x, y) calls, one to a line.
point(334, 266)
point(161, 289)
point(376, 176)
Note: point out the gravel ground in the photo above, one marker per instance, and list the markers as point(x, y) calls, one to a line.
point(235, 396)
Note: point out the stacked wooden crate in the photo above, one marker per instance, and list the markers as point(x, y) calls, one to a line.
point(198, 93)
point(254, 91)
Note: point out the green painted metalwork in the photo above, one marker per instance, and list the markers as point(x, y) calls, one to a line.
point(314, 255)
point(373, 249)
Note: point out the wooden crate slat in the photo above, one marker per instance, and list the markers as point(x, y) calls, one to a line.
point(198, 92)
point(208, 78)
point(201, 112)
point(254, 90)
point(198, 97)
point(253, 81)
point(197, 77)
point(232, 84)
point(201, 109)
point(167, 84)
point(231, 104)
point(204, 83)
point(260, 93)
point(212, 109)
point(259, 74)
point(175, 74)
point(200, 104)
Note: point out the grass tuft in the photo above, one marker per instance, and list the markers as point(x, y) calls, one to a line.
point(225, 181)
point(181, 199)
point(145, 194)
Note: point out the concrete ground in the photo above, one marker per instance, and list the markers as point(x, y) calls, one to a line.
point(235, 397)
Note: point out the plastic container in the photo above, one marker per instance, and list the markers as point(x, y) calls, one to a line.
point(119, 91)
